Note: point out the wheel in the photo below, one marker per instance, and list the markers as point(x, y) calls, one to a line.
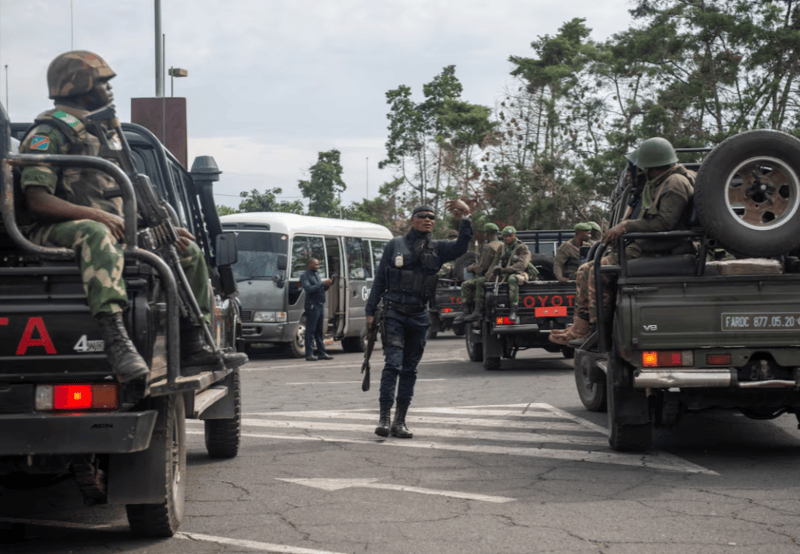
point(625, 437)
point(544, 265)
point(163, 519)
point(460, 267)
point(474, 349)
point(747, 193)
point(355, 344)
point(568, 352)
point(222, 435)
point(459, 329)
point(593, 395)
point(296, 348)
point(436, 324)
point(491, 364)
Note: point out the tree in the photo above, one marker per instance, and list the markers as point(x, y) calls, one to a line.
point(255, 201)
point(325, 184)
point(226, 210)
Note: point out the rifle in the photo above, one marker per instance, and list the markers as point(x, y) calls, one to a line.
point(372, 336)
point(158, 234)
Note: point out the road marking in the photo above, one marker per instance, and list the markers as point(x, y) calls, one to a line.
point(339, 484)
point(51, 523)
point(347, 382)
point(255, 545)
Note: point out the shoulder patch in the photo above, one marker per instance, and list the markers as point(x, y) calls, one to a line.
point(69, 119)
point(40, 142)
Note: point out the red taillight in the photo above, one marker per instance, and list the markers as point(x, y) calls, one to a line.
point(677, 358)
point(505, 321)
point(85, 397)
point(446, 310)
point(718, 359)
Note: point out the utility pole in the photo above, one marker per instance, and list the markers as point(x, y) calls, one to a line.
point(159, 52)
point(7, 108)
point(367, 177)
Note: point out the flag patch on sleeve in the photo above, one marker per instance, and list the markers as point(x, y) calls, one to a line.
point(40, 143)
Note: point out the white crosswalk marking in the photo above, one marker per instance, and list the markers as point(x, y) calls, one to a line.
point(530, 430)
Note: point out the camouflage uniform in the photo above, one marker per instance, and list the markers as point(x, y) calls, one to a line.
point(567, 260)
point(100, 257)
point(517, 257)
point(473, 288)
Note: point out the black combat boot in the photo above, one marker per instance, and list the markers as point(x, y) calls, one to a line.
point(474, 316)
point(513, 315)
point(465, 310)
point(122, 355)
point(384, 421)
point(197, 356)
point(399, 428)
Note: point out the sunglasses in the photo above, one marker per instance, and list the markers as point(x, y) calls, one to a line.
point(426, 216)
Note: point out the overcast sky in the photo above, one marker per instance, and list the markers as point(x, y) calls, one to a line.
point(273, 82)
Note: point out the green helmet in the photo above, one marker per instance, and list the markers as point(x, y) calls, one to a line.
point(491, 228)
point(595, 226)
point(75, 73)
point(583, 227)
point(656, 152)
point(509, 231)
point(633, 156)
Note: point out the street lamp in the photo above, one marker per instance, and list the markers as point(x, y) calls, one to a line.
point(176, 72)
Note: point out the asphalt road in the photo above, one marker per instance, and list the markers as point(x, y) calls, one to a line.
point(500, 462)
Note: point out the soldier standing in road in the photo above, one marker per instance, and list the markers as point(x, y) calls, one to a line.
point(72, 208)
point(665, 207)
point(568, 257)
point(406, 281)
point(514, 265)
point(472, 290)
point(315, 289)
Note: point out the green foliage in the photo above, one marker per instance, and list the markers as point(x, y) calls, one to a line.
point(325, 184)
point(268, 201)
point(226, 210)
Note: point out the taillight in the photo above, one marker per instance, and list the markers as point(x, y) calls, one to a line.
point(446, 310)
point(505, 321)
point(675, 358)
point(77, 397)
point(718, 359)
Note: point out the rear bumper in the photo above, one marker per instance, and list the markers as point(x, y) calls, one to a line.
point(660, 378)
point(96, 433)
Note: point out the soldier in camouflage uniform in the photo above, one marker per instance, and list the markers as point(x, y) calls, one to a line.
point(665, 207)
point(514, 265)
point(472, 289)
point(447, 269)
point(596, 233)
point(568, 257)
point(72, 208)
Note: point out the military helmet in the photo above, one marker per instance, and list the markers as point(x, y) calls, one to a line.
point(491, 228)
point(583, 227)
point(509, 231)
point(595, 226)
point(75, 73)
point(452, 234)
point(633, 156)
point(656, 152)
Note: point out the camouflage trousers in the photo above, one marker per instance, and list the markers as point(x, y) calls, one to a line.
point(586, 297)
point(514, 281)
point(101, 263)
point(473, 290)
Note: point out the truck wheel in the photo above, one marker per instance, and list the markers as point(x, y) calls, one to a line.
point(568, 352)
point(747, 193)
point(433, 330)
point(626, 437)
point(355, 344)
point(460, 266)
point(222, 435)
point(474, 349)
point(544, 265)
point(163, 519)
point(491, 364)
point(593, 395)
point(297, 347)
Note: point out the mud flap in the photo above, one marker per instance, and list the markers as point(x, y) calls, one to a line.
point(631, 406)
point(492, 344)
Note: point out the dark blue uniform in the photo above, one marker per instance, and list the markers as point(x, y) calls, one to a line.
point(314, 307)
point(406, 308)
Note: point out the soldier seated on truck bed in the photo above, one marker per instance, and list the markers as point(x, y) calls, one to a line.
point(666, 206)
point(71, 210)
point(514, 265)
point(472, 289)
point(568, 257)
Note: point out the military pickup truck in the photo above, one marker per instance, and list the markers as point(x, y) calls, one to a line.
point(691, 333)
point(62, 410)
point(544, 305)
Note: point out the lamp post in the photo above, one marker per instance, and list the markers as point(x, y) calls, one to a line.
point(175, 72)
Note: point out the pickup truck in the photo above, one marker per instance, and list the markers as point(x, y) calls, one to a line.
point(544, 305)
point(62, 410)
point(691, 333)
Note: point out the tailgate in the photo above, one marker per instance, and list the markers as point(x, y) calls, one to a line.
point(538, 299)
point(713, 312)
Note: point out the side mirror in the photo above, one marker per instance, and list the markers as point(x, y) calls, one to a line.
point(225, 249)
point(282, 262)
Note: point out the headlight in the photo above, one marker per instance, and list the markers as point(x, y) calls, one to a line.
point(264, 317)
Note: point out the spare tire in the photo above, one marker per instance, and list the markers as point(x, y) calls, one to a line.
point(461, 265)
point(747, 193)
point(544, 264)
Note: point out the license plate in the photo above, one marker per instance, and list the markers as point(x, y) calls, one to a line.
point(551, 311)
point(769, 321)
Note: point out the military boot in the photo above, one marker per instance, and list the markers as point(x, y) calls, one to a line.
point(399, 428)
point(476, 315)
point(465, 310)
point(384, 422)
point(512, 315)
point(122, 355)
point(197, 356)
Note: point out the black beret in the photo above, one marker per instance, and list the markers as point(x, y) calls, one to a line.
point(419, 209)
